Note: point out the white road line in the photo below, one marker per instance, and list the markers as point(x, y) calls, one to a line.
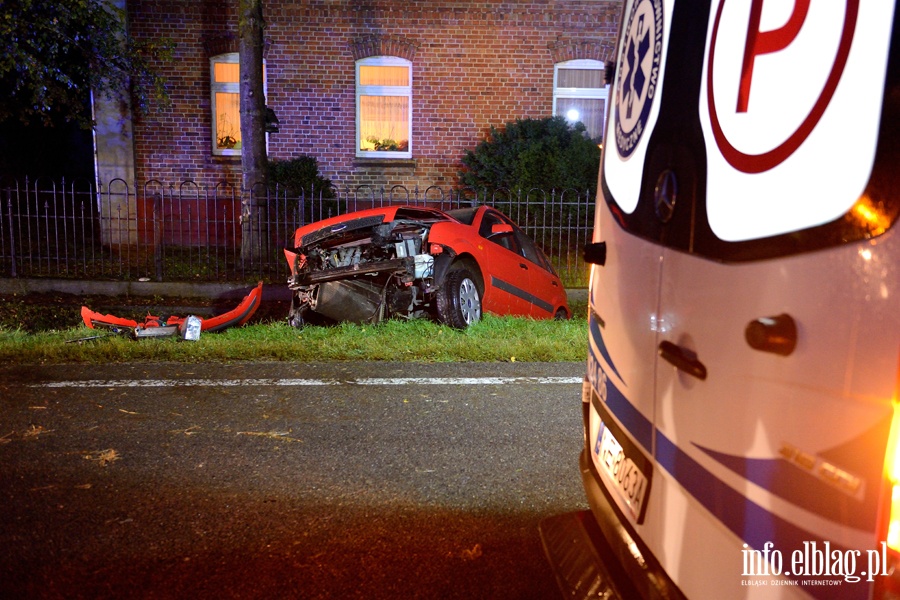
point(466, 380)
point(117, 383)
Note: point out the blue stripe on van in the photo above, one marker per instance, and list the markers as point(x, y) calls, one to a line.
point(640, 428)
point(597, 336)
point(750, 522)
point(803, 488)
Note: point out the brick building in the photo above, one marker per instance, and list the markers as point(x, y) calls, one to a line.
point(380, 92)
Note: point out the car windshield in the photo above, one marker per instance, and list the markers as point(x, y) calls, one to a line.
point(418, 214)
point(463, 215)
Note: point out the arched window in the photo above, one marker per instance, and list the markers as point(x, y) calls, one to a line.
point(225, 71)
point(384, 107)
point(580, 93)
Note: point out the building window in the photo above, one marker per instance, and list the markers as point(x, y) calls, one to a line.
point(579, 94)
point(384, 107)
point(225, 71)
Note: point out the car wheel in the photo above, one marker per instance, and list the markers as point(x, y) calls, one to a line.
point(561, 314)
point(459, 299)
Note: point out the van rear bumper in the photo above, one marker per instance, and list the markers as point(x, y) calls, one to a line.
point(596, 553)
point(581, 560)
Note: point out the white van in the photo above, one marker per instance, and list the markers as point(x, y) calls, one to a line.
point(741, 401)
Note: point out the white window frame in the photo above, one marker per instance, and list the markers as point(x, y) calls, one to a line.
point(383, 90)
point(585, 93)
point(232, 88)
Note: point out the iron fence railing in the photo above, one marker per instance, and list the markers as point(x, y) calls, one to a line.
point(188, 232)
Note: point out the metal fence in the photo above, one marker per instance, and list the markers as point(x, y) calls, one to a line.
point(188, 232)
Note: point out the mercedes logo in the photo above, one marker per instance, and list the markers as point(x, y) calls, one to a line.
point(665, 195)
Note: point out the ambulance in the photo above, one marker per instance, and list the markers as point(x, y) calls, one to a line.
point(741, 417)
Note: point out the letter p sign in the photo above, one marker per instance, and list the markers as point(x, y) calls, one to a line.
point(766, 42)
point(811, 41)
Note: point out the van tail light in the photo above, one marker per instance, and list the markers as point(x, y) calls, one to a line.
point(892, 476)
point(888, 588)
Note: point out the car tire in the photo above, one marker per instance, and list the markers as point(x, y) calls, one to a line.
point(561, 314)
point(459, 299)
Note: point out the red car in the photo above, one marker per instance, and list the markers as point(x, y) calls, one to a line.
point(408, 261)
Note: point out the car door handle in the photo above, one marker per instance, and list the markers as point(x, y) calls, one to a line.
point(683, 359)
point(524, 266)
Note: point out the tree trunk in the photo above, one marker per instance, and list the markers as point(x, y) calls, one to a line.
point(254, 163)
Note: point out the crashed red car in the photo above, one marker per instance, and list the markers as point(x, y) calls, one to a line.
point(409, 261)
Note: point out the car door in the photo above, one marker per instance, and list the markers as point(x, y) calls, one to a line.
point(545, 292)
point(507, 272)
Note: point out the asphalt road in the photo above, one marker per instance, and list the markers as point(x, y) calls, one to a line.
point(362, 480)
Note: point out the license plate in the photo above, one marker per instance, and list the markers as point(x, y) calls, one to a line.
point(624, 478)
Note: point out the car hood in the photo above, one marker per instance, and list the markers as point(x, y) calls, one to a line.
point(345, 225)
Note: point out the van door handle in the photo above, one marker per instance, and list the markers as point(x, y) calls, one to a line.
point(683, 359)
point(777, 334)
point(524, 266)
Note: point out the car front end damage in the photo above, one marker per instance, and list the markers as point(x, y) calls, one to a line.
point(364, 270)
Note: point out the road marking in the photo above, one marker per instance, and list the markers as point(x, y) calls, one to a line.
point(116, 383)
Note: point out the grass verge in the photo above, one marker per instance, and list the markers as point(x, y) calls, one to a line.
point(491, 340)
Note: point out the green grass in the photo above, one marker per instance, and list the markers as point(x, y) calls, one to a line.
point(493, 339)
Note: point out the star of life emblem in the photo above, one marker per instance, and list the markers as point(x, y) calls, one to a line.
point(638, 73)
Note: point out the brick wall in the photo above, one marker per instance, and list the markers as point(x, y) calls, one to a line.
point(475, 64)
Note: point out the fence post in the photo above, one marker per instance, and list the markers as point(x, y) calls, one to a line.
point(12, 238)
point(157, 237)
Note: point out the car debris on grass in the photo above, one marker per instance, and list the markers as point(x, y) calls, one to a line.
point(188, 327)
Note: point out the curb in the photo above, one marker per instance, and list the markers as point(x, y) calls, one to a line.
point(215, 291)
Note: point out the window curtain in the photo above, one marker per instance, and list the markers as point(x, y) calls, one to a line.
point(384, 123)
point(228, 120)
point(383, 75)
point(589, 111)
point(226, 77)
point(580, 78)
point(227, 72)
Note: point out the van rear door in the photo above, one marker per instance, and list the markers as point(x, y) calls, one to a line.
point(772, 416)
point(771, 426)
point(744, 327)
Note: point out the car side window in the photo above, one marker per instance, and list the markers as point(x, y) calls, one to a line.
point(507, 239)
point(529, 250)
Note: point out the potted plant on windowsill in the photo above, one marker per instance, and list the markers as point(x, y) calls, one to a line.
point(226, 141)
point(388, 145)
